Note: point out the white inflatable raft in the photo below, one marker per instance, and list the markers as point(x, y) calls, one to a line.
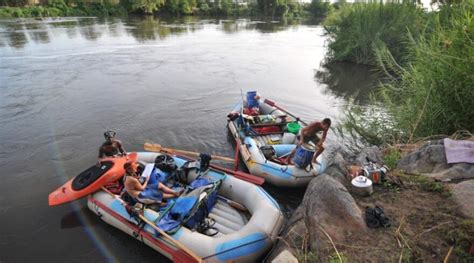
point(243, 236)
point(254, 142)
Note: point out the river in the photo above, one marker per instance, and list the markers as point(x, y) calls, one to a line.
point(63, 82)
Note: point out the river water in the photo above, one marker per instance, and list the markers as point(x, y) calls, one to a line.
point(63, 82)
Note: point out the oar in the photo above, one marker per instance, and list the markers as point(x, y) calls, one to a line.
point(163, 233)
point(158, 148)
point(241, 175)
point(273, 104)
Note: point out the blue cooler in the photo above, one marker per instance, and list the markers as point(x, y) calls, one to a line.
point(303, 156)
point(251, 101)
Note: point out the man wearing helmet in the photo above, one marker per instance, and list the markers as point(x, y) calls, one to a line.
point(111, 147)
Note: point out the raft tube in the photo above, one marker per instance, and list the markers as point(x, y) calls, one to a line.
point(242, 236)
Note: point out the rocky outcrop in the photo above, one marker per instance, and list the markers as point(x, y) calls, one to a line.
point(329, 209)
point(463, 195)
point(430, 160)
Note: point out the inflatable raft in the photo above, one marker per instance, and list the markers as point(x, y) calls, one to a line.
point(263, 141)
point(246, 220)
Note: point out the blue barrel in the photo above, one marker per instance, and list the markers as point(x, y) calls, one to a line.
point(303, 157)
point(251, 101)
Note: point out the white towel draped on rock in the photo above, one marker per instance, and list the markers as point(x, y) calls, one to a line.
point(459, 151)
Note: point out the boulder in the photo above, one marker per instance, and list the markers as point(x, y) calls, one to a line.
point(372, 153)
point(329, 209)
point(463, 195)
point(430, 160)
point(285, 257)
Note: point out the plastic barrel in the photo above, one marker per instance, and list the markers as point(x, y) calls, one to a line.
point(251, 101)
point(303, 157)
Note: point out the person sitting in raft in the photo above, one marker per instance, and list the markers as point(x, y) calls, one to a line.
point(145, 193)
point(310, 134)
point(111, 147)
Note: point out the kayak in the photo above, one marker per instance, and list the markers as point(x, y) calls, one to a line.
point(263, 139)
point(246, 220)
point(90, 180)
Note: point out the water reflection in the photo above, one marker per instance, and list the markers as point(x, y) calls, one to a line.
point(347, 81)
point(141, 29)
point(37, 32)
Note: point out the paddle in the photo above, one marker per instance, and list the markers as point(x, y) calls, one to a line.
point(272, 103)
point(158, 148)
point(163, 233)
point(241, 175)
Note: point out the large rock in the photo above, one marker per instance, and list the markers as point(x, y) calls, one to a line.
point(329, 209)
point(430, 160)
point(372, 153)
point(463, 195)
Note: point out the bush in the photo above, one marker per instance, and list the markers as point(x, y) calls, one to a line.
point(356, 30)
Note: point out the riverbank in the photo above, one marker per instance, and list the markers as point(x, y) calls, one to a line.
point(226, 8)
point(429, 220)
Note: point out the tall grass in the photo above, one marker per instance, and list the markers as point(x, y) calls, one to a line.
point(357, 30)
point(435, 93)
point(429, 89)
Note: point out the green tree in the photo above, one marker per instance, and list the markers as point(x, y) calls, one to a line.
point(147, 6)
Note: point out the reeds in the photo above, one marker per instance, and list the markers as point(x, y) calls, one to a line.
point(429, 89)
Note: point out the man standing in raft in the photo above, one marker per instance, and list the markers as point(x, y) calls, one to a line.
point(111, 147)
point(145, 193)
point(310, 133)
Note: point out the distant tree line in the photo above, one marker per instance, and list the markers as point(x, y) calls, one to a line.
point(267, 8)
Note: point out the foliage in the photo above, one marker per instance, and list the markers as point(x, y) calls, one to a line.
point(319, 8)
point(356, 30)
point(144, 6)
point(392, 157)
point(428, 90)
point(55, 8)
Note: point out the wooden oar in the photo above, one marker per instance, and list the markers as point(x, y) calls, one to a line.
point(241, 175)
point(158, 148)
point(273, 104)
point(163, 233)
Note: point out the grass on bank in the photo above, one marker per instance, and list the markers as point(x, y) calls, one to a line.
point(427, 63)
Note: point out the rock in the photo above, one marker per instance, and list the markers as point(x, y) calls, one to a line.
point(337, 168)
point(463, 195)
point(328, 206)
point(285, 257)
point(430, 160)
point(372, 153)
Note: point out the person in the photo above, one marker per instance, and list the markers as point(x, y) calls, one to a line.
point(310, 134)
point(111, 147)
point(145, 193)
point(253, 108)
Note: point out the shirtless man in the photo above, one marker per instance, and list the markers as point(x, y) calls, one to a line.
point(111, 146)
point(309, 133)
point(144, 193)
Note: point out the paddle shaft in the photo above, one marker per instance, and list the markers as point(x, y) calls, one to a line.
point(159, 148)
point(163, 233)
point(241, 175)
point(272, 103)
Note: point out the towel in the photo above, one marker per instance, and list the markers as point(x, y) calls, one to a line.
point(459, 151)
